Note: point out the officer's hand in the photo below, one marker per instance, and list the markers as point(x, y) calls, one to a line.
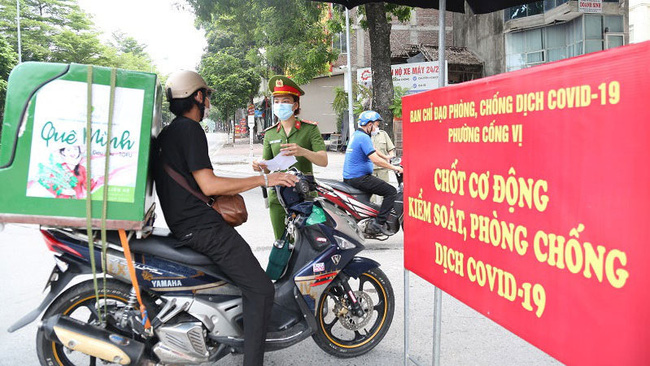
point(259, 165)
point(399, 169)
point(282, 179)
point(293, 150)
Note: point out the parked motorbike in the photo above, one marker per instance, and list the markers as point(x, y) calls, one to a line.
point(357, 204)
point(343, 301)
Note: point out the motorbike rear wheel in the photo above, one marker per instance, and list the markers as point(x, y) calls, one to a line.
point(79, 302)
point(344, 335)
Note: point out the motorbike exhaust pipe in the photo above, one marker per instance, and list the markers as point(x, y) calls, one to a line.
point(93, 340)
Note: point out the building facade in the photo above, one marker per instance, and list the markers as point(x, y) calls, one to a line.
point(541, 32)
point(639, 21)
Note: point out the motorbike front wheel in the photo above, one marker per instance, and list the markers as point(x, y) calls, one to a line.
point(343, 334)
point(79, 302)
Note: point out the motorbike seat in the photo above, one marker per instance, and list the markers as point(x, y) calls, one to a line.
point(343, 187)
point(164, 247)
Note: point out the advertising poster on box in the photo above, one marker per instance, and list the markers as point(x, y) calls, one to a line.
point(527, 198)
point(58, 165)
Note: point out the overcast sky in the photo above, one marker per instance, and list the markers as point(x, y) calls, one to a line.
point(169, 33)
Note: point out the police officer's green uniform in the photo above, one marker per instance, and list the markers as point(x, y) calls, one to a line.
point(304, 133)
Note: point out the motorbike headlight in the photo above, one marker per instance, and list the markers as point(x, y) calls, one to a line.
point(344, 243)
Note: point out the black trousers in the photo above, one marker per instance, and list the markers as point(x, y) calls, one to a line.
point(233, 255)
point(371, 184)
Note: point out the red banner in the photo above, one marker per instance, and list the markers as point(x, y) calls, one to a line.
point(527, 198)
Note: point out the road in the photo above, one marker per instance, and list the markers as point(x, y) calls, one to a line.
point(468, 338)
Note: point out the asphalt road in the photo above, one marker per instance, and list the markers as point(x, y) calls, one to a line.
point(468, 338)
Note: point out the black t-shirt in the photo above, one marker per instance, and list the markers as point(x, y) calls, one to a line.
point(183, 145)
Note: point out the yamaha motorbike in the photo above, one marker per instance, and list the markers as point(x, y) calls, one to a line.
point(344, 302)
point(357, 204)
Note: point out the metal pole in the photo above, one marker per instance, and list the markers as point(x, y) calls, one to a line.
point(406, 317)
point(442, 9)
point(20, 52)
point(349, 79)
point(437, 293)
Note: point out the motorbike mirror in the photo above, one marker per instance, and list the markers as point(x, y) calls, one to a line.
point(396, 161)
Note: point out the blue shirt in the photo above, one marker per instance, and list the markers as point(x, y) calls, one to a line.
point(357, 161)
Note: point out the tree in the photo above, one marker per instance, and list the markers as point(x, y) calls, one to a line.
point(125, 44)
point(49, 29)
point(277, 36)
point(8, 60)
point(235, 83)
point(378, 16)
point(60, 31)
point(127, 53)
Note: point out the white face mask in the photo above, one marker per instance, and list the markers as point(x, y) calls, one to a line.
point(283, 111)
point(374, 131)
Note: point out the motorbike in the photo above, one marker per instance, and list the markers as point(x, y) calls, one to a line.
point(357, 204)
point(343, 301)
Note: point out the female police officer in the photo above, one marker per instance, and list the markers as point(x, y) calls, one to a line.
point(290, 136)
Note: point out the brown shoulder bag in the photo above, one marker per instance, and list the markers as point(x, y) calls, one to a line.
point(231, 207)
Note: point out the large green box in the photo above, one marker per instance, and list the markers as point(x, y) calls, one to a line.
point(43, 159)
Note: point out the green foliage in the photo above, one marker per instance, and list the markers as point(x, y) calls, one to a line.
point(8, 60)
point(48, 29)
point(276, 36)
point(400, 12)
point(396, 106)
point(234, 81)
point(60, 31)
point(125, 44)
point(361, 100)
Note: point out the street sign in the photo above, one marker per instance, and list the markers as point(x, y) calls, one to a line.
point(251, 121)
point(590, 6)
point(415, 77)
point(526, 198)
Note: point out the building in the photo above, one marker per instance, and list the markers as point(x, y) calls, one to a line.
point(541, 32)
point(639, 21)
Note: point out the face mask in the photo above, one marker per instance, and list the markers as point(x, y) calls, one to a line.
point(283, 111)
point(374, 132)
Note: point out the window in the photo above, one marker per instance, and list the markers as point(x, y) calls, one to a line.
point(339, 43)
point(535, 8)
point(550, 4)
point(585, 34)
point(536, 46)
point(525, 10)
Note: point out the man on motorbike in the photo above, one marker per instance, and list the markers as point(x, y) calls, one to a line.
point(358, 167)
point(183, 146)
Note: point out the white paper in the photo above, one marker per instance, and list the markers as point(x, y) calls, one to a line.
point(280, 162)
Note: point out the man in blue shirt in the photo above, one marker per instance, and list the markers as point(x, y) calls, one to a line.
point(357, 169)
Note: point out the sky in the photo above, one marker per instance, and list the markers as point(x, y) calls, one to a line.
point(169, 33)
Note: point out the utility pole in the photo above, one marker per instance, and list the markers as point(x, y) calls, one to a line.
point(349, 75)
point(20, 53)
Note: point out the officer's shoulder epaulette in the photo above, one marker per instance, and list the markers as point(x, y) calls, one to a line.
point(271, 127)
point(309, 122)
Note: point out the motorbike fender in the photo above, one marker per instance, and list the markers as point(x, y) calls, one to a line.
point(359, 265)
point(58, 281)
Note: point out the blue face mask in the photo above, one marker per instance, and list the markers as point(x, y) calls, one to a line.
point(283, 111)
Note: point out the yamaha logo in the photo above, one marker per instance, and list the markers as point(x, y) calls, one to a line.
point(336, 258)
